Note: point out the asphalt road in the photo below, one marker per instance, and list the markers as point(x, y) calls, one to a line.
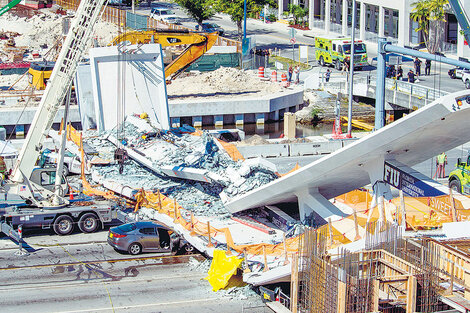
point(64, 275)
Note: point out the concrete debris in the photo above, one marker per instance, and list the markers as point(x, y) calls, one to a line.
point(188, 168)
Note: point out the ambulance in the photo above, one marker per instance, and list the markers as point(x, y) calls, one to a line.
point(333, 51)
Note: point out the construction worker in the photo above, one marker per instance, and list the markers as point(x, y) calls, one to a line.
point(3, 168)
point(120, 155)
point(441, 162)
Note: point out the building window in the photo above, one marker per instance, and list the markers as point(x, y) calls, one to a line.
point(372, 14)
point(452, 29)
point(391, 23)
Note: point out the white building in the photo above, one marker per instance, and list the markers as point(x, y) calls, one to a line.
point(378, 18)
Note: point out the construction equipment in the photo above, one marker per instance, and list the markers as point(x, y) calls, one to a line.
point(199, 43)
point(26, 201)
point(334, 50)
point(39, 73)
point(459, 178)
point(10, 5)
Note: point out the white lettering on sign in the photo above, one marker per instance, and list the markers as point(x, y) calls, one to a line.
point(392, 176)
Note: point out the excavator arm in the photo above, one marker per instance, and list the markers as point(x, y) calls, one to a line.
point(198, 43)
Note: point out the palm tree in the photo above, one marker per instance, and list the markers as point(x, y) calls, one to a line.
point(430, 15)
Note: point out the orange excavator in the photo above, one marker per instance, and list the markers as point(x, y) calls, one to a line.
point(198, 44)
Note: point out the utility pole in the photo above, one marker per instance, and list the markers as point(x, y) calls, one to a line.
point(351, 68)
point(244, 20)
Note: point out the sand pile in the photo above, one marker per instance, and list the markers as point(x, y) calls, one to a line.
point(223, 82)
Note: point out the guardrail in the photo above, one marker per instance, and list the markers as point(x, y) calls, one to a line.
point(420, 92)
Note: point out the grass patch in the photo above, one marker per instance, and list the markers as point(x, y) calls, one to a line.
point(286, 62)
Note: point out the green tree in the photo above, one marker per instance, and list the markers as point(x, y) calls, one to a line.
point(235, 9)
point(200, 10)
point(298, 12)
point(430, 15)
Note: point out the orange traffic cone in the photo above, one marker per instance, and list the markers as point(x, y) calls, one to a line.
point(71, 196)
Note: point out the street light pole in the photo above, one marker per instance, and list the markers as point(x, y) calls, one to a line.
point(351, 68)
point(244, 20)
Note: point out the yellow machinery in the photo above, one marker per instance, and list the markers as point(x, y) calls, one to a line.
point(39, 73)
point(198, 44)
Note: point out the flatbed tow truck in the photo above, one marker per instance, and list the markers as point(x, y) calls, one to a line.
point(40, 202)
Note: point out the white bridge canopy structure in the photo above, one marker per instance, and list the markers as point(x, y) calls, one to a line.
point(427, 132)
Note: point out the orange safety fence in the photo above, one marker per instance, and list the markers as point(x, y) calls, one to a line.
point(170, 207)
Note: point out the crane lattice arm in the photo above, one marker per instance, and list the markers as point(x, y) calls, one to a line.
point(462, 18)
point(72, 51)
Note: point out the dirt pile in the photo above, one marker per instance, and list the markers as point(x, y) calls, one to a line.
point(223, 82)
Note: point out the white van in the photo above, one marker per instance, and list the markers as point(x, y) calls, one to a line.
point(162, 14)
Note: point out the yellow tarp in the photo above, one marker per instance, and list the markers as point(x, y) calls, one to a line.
point(222, 269)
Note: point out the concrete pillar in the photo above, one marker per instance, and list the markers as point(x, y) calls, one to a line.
point(362, 22)
point(381, 21)
point(404, 27)
point(218, 120)
point(239, 119)
point(289, 125)
point(175, 122)
point(280, 9)
point(311, 13)
point(327, 16)
point(259, 118)
point(380, 89)
point(276, 115)
point(344, 19)
point(197, 121)
point(315, 209)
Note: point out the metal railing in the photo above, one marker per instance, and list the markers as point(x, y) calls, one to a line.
point(427, 94)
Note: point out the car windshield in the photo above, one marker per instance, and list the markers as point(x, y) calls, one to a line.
point(127, 227)
point(358, 48)
point(212, 25)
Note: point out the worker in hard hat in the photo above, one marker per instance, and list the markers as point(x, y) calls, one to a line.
point(441, 162)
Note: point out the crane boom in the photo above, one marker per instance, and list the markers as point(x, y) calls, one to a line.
point(462, 18)
point(61, 78)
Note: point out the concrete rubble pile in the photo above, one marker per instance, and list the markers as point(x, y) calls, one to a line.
point(167, 151)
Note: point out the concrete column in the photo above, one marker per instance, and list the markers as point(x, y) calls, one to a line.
point(175, 122)
point(315, 209)
point(344, 19)
point(311, 13)
point(327, 16)
point(218, 120)
point(380, 89)
point(289, 125)
point(362, 21)
point(239, 119)
point(280, 9)
point(197, 121)
point(259, 118)
point(404, 27)
point(381, 21)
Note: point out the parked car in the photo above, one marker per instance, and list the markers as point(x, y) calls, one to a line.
point(210, 28)
point(162, 14)
point(147, 236)
point(456, 72)
point(72, 163)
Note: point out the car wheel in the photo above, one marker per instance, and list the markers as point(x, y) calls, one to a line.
point(321, 61)
point(453, 75)
point(467, 84)
point(455, 186)
point(88, 223)
point(63, 225)
point(338, 65)
point(135, 248)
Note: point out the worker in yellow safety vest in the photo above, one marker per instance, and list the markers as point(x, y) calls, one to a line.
point(3, 168)
point(441, 162)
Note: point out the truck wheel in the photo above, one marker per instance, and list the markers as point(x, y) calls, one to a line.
point(66, 170)
point(321, 61)
point(338, 65)
point(467, 84)
point(455, 186)
point(134, 248)
point(88, 223)
point(63, 225)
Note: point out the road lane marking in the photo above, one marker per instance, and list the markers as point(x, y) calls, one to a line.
point(126, 307)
